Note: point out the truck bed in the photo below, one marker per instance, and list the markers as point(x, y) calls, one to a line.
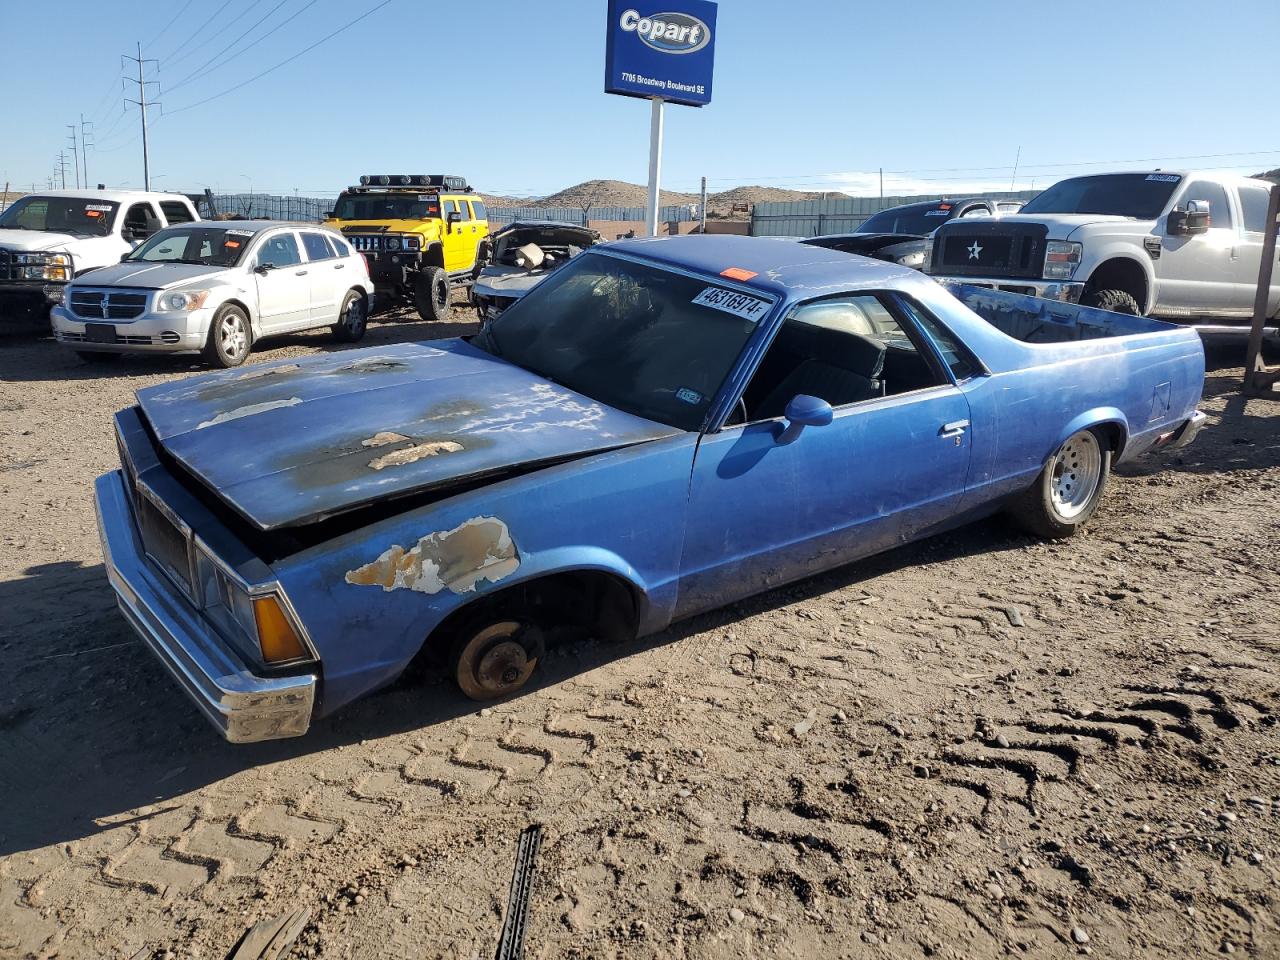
point(1033, 320)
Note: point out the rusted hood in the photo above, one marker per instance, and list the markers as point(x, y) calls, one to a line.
point(294, 441)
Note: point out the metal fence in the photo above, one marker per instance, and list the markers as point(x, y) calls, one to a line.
point(813, 218)
point(667, 214)
point(257, 205)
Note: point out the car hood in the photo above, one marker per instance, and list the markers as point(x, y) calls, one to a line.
point(27, 240)
point(296, 441)
point(1059, 224)
point(497, 281)
point(151, 276)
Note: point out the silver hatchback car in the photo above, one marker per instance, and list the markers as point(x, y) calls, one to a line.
point(218, 287)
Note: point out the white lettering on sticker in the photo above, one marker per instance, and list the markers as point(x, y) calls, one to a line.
point(100, 207)
point(730, 301)
point(1164, 177)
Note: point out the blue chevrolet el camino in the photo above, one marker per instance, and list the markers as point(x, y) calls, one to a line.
point(661, 427)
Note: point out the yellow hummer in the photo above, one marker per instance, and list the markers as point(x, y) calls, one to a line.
point(423, 236)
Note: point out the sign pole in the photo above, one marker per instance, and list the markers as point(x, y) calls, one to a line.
point(655, 163)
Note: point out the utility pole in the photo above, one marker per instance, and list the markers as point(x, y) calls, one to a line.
point(702, 206)
point(75, 153)
point(86, 131)
point(1016, 160)
point(142, 104)
point(882, 188)
point(62, 168)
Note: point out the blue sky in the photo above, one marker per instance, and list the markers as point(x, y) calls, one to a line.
point(812, 94)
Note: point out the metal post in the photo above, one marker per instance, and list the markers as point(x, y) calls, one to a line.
point(882, 188)
point(702, 206)
point(1257, 381)
point(655, 164)
point(142, 104)
point(84, 148)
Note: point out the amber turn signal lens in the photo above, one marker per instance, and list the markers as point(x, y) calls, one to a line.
point(276, 636)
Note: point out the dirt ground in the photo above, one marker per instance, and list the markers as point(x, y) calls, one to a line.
point(973, 747)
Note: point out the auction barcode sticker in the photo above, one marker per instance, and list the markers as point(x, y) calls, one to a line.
point(730, 301)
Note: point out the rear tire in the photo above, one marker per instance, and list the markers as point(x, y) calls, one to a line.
point(230, 338)
point(1117, 301)
point(431, 294)
point(353, 318)
point(1066, 493)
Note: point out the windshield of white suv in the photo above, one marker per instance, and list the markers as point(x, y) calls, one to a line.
point(210, 246)
point(386, 206)
point(1141, 196)
point(80, 216)
point(654, 343)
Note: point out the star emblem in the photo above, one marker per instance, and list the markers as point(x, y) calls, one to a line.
point(975, 251)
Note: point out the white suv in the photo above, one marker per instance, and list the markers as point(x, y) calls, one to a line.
point(218, 287)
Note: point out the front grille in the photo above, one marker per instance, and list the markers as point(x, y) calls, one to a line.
point(364, 243)
point(1001, 249)
point(6, 265)
point(107, 305)
point(133, 340)
point(165, 543)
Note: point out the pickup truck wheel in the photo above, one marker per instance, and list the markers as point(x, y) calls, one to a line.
point(496, 658)
point(1117, 301)
point(229, 337)
point(431, 294)
point(353, 318)
point(1067, 492)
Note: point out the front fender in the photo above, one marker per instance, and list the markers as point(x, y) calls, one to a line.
point(1119, 249)
point(1097, 417)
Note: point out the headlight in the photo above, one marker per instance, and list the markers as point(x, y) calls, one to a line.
point(45, 266)
point(263, 619)
point(393, 243)
point(1061, 257)
point(182, 302)
point(413, 243)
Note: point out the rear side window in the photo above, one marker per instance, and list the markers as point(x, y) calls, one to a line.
point(479, 210)
point(316, 246)
point(1216, 195)
point(1254, 201)
point(340, 247)
point(176, 212)
point(954, 354)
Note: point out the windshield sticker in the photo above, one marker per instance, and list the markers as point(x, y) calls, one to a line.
point(689, 396)
point(100, 207)
point(231, 243)
point(739, 304)
point(1164, 177)
point(93, 213)
point(936, 213)
point(239, 233)
point(427, 198)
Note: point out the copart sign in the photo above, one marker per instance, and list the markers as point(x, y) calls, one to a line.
point(665, 51)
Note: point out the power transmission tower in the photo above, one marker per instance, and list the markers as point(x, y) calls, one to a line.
point(142, 103)
point(86, 141)
point(61, 169)
point(75, 153)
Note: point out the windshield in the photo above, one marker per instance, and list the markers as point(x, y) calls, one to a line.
point(210, 246)
point(1139, 195)
point(75, 215)
point(386, 206)
point(645, 340)
point(919, 219)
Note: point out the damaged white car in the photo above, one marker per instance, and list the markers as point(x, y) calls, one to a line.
point(523, 254)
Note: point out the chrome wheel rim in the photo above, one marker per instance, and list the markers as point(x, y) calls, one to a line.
point(233, 336)
point(354, 317)
point(1074, 474)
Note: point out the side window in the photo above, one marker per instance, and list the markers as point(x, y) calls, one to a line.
point(1216, 195)
point(843, 350)
point(451, 206)
point(316, 246)
point(175, 211)
point(954, 354)
point(340, 248)
point(1254, 202)
point(465, 209)
point(279, 251)
point(480, 212)
point(977, 210)
point(140, 222)
point(1009, 207)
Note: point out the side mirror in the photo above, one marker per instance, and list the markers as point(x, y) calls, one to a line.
point(805, 411)
point(451, 219)
point(263, 269)
point(124, 257)
point(1196, 219)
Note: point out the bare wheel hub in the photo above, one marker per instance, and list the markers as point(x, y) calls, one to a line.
point(494, 663)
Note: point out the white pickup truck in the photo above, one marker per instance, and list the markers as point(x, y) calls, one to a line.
point(1180, 245)
point(48, 239)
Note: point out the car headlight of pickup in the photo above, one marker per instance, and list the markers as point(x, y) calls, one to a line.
point(182, 302)
point(1061, 257)
point(45, 266)
point(264, 618)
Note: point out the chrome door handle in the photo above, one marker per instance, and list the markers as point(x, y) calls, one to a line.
point(955, 428)
point(300, 273)
point(338, 266)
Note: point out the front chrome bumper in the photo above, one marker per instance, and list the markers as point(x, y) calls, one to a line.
point(147, 333)
point(243, 706)
point(1062, 290)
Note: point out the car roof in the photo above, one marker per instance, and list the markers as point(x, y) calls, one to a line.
point(781, 266)
point(259, 225)
point(111, 196)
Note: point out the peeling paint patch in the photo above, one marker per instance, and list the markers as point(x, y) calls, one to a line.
point(398, 458)
point(373, 365)
point(478, 549)
point(268, 372)
point(249, 411)
point(382, 438)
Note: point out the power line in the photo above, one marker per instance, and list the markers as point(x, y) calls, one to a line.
point(165, 28)
point(196, 32)
point(201, 70)
point(245, 83)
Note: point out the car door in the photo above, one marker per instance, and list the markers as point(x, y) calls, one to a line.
point(1253, 227)
point(455, 240)
point(1197, 273)
point(283, 283)
point(892, 462)
point(325, 277)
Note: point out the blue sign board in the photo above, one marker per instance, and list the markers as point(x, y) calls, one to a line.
point(661, 48)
